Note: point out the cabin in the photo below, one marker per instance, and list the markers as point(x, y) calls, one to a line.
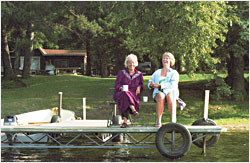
point(54, 61)
point(61, 61)
point(145, 68)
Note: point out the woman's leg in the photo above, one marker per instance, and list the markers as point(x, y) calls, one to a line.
point(133, 110)
point(160, 99)
point(170, 104)
point(132, 107)
point(125, 120)
point(125, 115)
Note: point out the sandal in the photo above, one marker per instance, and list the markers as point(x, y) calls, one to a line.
point(135, 113)
point(124, 125)
point(158, 125)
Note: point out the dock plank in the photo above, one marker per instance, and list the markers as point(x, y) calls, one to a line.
point(112, 129)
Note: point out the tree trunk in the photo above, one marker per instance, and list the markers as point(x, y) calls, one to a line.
point(229, 79)
point(26, 64)
point(181, 65)
point(18, 52)
point(104, 66)
point(83, 66)
point(28, 52)
point(88, 71)
point(236, 48)
point(17, 61)
point(235, 76)
point(8, 71)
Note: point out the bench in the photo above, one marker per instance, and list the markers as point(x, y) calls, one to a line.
point(73, 69)
point(112, 105)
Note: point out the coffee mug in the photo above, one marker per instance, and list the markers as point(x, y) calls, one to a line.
point(125, 88)
point(145, 98)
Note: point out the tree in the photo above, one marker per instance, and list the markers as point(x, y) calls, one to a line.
point(18, 23)
point(32, 18)
point(110, 51)
point(236, 47)
point(187, 29)
point(192, 31)
point(25, 20)
point(8, 71)
point(28, 49)
point(79, 21)
point(6, 12)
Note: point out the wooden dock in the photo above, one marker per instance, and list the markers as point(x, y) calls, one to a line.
point(80, 135)
point(112, 129)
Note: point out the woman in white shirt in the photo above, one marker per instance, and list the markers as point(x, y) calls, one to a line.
point(164, 81)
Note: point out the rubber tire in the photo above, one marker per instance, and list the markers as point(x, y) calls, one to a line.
point(168, 129)
point(212, 140)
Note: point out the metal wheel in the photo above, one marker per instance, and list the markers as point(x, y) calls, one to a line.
point(173, 140)
point(11, 138)
point(117, 120)
point(210, 139)
point(55, 119)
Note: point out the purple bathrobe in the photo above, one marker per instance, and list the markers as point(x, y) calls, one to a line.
point(125, 99)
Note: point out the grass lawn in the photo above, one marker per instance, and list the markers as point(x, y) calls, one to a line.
point(42, 93)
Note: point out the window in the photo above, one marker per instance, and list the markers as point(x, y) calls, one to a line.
point(35, 63)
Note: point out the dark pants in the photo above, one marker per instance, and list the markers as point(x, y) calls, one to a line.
point(126, 113)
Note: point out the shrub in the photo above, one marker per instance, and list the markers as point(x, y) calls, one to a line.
point(219, 88)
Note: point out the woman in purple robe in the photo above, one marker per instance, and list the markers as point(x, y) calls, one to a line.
point(128, 101)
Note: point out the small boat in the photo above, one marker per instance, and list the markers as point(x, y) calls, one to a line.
point(35, 118)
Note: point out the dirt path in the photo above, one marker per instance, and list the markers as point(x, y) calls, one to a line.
point(238, 127)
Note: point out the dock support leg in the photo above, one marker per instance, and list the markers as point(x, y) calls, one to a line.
point(204, 146)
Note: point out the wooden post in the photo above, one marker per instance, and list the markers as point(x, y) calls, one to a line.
point(173, 117)
point(115, 108)
point(60, 104)
point(206, 104)
point(174, 107)
point(84, 108)
point(205, 118)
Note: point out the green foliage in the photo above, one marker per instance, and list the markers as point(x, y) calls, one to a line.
point(192, 31)
point(219, 88)
point(188, 29)
point(238, 95)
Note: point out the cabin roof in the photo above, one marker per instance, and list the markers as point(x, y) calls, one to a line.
point(56, 52)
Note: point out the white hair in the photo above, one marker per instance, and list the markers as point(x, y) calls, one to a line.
point(133, 57)
point(171, 56)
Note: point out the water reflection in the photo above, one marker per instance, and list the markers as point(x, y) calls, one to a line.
point(231, 147)
point(116, 155)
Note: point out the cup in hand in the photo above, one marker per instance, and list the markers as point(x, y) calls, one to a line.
point(125, 88)
point(145, 98)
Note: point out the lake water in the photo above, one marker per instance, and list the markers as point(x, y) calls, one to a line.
point(231, 147)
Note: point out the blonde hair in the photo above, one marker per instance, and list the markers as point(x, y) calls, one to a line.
point(133, 57)
point(171, 56)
